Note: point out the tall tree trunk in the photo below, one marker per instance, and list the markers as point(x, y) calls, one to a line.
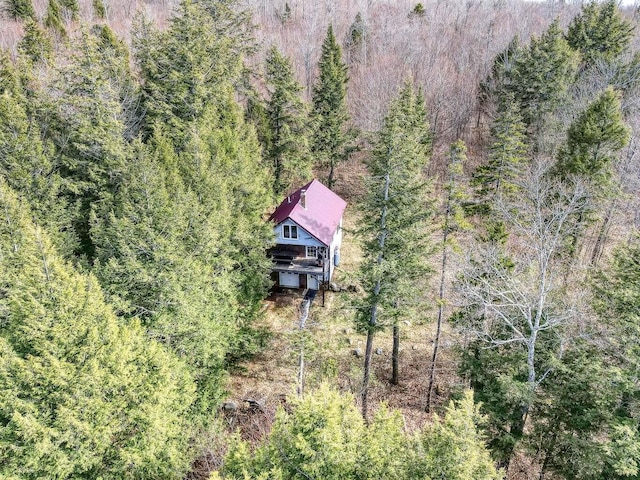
point(330, 180)
point(443, 267)
point(368, 351)
point(373, 319)
point(395, 354)
point(602, 234)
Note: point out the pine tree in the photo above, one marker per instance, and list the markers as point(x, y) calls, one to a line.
point(288, 149)
point(82, 395)
point(85, 124)
point(356, 41)
point(453, 447)
point(333, 138)
point(19, 10)
point(543, 74)
point(394, 223)
point(71, 8)
point(53, 18)
point(99, 8)
point(322, 436)
point(36, 45)
point(26, 166)
point(184, 68)
point(594, 140)
point(599, 33)
point(499, 177)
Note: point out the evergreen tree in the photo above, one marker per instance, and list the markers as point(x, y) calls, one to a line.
point(453, 448)
point(356, 41)
point(148, 266)
point(394, 222)
point(184, 69)
point(26, 166)
point(502, 75)
point(543, 73)
point(322, 436)
point(507, 155)
point(53, 18)
point(84, 119)
point(183, 246)
point(71, 8)
point(99, 8)
point(599, 32)
point(9, 77)
point(594, 140)
point(36, 45)
point(588, 421)
point(19, 9)
point(81, 396)
point(500, 176)
point(288, 149)
point(333, 138)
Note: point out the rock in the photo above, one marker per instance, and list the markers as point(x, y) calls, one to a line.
point(407, 323)
point(349, 341)
point(254, 405)
point(230, 406)
point(345, 330)
point(356, 352)
point(414, 347)
point(334, 287)
point(378, 351)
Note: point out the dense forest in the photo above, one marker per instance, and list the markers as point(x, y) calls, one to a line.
point(489, 152)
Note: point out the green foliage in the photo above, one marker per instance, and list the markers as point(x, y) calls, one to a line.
point(418, 10)
point(81, 396)
point(356, 40)
point(320, 438)
point(594, 140)
point(19, 9)
point(323, 436)
point(543, 73)
point(26, 166)
point(9, 77)
point(455, 215)
point(83, 111)
point(99, 8)
point(333, 138)
point(53, 18)
point(36, 45)
point(287, 151)
point(71, 8)
point(499, 177)
point(599, 32)
point(453, 448)
point(507, 157)
point(395, 212)
point(185, 69)
point(182, 246)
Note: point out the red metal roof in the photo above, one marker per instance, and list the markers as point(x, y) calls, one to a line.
point(322, 214)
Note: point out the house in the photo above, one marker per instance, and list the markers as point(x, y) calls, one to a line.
point(308, 230)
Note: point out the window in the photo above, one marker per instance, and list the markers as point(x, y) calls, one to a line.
point(316, 252)
point(290, 231)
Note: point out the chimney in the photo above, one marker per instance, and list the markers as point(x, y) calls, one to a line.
point(303, 198)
